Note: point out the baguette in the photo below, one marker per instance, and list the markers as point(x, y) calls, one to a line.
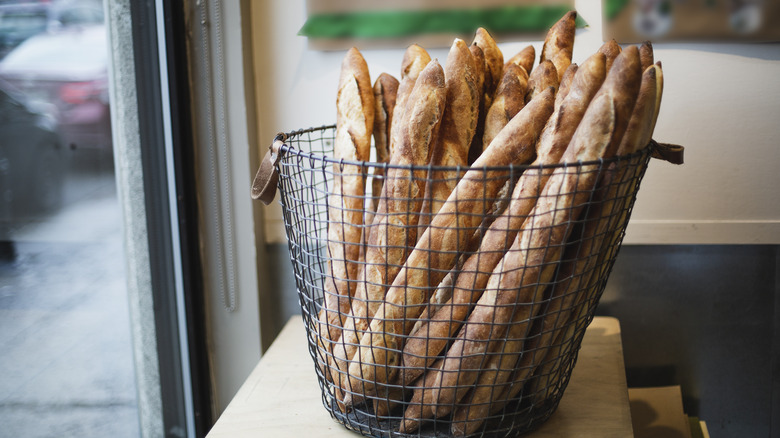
point(541, 384)
point(417, 411)
point(542, 77)
point(659, 77)
point(354, 124)
point(479, 72)
point(517, 283)
point(476, 405)
point(606, 207)
point(559, 43)
point(638, 134)
point(508, 101)
point(414, 61)
point(524, 58)
point(461, 113)
point(581, 254)
point(494, 65)
point(393, 232)
point(565, 85)
point(424, 344)
point(377, 357)
point(579, 262)
point(385, 93)
point(646, 55)
point(611, 49)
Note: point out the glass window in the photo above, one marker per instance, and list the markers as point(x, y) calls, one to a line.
point(67, 362)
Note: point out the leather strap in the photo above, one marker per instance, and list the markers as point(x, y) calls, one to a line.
point(672, 153)
point(267, 177)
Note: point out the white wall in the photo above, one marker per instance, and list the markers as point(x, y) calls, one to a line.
point(721, 101)
point(229, 248)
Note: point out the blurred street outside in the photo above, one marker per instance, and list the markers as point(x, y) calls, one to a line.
point(67, 366)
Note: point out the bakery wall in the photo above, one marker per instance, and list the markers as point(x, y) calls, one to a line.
point(697, 285)
point(720, 102)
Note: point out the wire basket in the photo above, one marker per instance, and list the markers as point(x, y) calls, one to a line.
point(518, 380)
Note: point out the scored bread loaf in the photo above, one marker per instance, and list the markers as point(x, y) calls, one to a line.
point(354, 124)
point(508, 101)
point(417, 410)
point(563, 87)
point(393, 233)
point(458, 126)
point(524, 58)
point(479, 72)
point(542, 77)
point(430, 338)
point(646, 55)
point(377, 357)
point(556, 333)
point(559, 43)
point(611, 49)
point(414, 61)
point(659, 76)
point(518, 282)
point(641, 135)
point(385, 93)
point(578, 264)
point(494, 65)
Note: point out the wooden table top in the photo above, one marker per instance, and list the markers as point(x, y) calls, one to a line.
point(281, 397)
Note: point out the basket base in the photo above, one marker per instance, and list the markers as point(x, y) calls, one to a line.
point(519, 421)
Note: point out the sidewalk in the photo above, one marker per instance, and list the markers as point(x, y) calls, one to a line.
point(67, 367)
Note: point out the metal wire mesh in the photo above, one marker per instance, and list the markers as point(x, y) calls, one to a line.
point(541, 294)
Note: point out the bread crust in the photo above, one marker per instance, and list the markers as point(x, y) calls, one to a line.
point(354, 124)
point(508, 101)
point(524, 58)
point(459, 124)
point(559, 43)
point(378, 355)
point(646, 55)
point(584, 254)
point(385, 93)
point(611, 49)
point(541, 78)
point(553, 141)
point(618, 86)
point(393, 233)
point(414, 61)
point(424, 344)
point(565, 85)
point(517, 282)
point(623, 81)
point(494, 64)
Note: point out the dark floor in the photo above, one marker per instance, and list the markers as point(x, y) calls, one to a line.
point(706, 318)
point(67, 366)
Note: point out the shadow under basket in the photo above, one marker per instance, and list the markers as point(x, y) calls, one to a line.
point(500, 375)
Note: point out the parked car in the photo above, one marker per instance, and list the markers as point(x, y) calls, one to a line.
point(22, 19)
point(68, 13)
point(19, 21)
point(69, 70)
point(32, 162)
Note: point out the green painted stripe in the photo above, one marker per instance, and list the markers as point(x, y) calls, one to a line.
point(613, 7)
point(390, 24)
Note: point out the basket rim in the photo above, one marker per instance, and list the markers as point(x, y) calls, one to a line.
point(285, 149)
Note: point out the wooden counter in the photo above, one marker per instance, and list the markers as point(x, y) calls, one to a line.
point(281, 397)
